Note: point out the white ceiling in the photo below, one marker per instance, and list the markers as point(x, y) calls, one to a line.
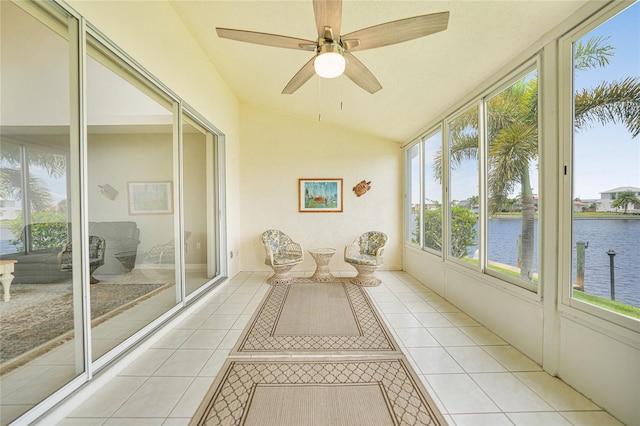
point(420, 78)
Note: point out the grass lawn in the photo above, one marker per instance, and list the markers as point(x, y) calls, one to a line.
point(621, 308)
point(612, 305)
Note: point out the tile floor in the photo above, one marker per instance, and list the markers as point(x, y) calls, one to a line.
point(474, 376)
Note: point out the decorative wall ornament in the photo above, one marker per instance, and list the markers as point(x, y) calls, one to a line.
point(108, 191)
point(362, 187)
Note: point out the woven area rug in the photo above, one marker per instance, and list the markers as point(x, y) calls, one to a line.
point(316, 318)
point(41, 315)
point(369, 391)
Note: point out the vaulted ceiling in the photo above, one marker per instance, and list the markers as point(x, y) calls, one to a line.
point(420, 78)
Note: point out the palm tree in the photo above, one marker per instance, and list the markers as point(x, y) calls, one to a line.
point(624, 199)
point(513, 133)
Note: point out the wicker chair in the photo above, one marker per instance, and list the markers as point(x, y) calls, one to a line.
point(282, 254)
point(365, 254)
point(96, 256)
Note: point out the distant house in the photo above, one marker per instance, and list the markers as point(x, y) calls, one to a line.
point(579, 206)
point(607, 198)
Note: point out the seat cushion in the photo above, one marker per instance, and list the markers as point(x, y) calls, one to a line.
point(362, 259)
point(286, 259)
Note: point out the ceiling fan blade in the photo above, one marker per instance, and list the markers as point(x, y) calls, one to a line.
point(266, 39)
point(301, 77)
point(360, 74)
point(398, 31)
point(328, 13)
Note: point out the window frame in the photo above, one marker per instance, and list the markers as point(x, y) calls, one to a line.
point(408, 205)
point(527, 66)
point(568, 304)
point(423, 139)
point(446, 171)
point(518, 74)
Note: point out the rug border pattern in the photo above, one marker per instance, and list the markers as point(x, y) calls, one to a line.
point(258, 337)
point(228, 398)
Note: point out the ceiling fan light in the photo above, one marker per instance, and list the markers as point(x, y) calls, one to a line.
point(329, 64)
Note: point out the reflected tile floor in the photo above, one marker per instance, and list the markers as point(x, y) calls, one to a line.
point(474, 377)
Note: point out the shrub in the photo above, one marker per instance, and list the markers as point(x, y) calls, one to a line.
point(48, 229)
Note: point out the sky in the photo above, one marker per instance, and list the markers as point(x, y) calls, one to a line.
point(606, 157)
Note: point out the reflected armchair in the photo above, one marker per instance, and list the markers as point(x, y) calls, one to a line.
point(281, 254)
point(365, 254)
point(97, 247)
point(165, 253)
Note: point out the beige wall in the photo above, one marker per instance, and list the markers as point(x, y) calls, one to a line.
point(277, 150)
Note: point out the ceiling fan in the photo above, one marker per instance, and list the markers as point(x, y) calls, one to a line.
point(333, 52)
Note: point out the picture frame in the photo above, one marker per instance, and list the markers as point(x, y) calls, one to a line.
point(320, 195)
point(150, 197)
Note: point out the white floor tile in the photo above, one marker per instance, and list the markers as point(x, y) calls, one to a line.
point(192, 398)
point(511, 358)
point(231, 308)
point(213, 365)
point(591, 418)
point(241, 322)
point(173, 339)
point(230, 339)
point(433, 319)
point(155, 398)
point(402, 320)
point(204, 339)
point(556, 393)
point(152, 421)
point(460, 319)
point(147, 363)
point(220, 322)
point(474, 360)
point(392, 308)
point(536, 419)
point(434, 361)
point(489, 419)
point(416, 338)
point(184, 363)
point(509, 393)
point(83, 421)
point(448, 388)
point(482, 336)
point(109, 398)
point(419, 306)
point(450, 336)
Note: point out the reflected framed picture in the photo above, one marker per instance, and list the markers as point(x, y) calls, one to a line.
point(320, 195)
point(150, 198)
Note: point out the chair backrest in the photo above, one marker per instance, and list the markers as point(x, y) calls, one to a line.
point(371, 241)
point(276, 240)
point(96, 247)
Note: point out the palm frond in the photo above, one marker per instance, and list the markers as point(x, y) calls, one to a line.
point(610, 102)
point(592, 54)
